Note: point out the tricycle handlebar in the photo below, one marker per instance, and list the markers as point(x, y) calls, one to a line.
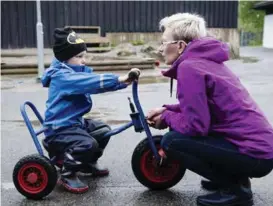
point(133, 75)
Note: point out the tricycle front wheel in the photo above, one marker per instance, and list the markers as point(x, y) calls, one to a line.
point(150, 173)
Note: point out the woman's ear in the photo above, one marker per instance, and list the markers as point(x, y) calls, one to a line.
point(181, 46)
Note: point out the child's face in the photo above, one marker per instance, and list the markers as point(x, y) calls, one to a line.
point(79, 59)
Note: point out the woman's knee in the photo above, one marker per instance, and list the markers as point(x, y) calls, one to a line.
point(177, 141)
point(168, 138)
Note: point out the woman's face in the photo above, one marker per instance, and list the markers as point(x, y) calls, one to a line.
point(171, 49)
point(79, 59)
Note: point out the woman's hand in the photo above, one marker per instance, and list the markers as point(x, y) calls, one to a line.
point(154, 112)
point(154, 118)
point(126, 79)
point(157, 122)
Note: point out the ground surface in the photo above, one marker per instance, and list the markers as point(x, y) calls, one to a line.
point(121, 187)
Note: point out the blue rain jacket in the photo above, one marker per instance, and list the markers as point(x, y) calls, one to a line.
point(70, 87)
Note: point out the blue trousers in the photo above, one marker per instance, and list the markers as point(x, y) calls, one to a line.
point(214, 158)
point(78, 146)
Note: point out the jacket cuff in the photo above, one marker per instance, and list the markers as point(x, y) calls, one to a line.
point(165, 115)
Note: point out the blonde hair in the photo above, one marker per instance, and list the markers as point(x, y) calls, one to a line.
point(184, 26)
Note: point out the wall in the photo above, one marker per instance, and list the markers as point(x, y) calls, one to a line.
point(268, 31)
point(18, 18)
point(230, 36)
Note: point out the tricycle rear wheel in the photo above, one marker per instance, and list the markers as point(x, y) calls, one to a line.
point(34, 176)
point(149, 172)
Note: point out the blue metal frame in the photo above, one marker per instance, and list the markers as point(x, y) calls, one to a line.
point(111, 133)
point(119, 129)
point(143, 119)
point(29, 125)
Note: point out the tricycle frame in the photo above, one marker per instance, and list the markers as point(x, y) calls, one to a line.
point(137, 123)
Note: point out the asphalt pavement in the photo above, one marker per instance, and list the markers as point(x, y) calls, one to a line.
point(121, 187)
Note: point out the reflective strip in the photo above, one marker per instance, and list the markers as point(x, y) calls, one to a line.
point(69, 156)
point(101, 81)
point(66, 173)
point(64, 65)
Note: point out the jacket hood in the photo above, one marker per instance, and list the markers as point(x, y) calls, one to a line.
point(205, 48)
point(56, 65)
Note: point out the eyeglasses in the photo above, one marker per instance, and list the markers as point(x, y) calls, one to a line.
point(168, 42)
point(163, 45)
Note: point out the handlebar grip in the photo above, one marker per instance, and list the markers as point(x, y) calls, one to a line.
point(133, 75)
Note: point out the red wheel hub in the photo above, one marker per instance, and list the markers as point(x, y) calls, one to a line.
point(32, 178)
point(155, 172)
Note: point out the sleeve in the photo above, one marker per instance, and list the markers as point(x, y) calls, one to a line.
point(82, 83)
point(194, 120)
point(172, 107)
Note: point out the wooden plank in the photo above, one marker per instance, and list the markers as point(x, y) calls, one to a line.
point(97, 68)
point(93, 63)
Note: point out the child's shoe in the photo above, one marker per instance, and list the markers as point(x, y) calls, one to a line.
point(94, 170)
point(72, 183)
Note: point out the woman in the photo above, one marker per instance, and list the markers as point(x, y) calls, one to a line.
point(217, 129)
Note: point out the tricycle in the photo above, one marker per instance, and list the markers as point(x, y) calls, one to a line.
point(35, 176)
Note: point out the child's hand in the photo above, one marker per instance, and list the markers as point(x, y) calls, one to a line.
point(126, 79)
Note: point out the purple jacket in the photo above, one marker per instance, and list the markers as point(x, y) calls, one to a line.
point(213, 102)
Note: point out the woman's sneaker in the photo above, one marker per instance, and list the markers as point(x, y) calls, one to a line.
point(239, 194)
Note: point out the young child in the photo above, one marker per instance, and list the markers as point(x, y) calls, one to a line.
point(70, 85)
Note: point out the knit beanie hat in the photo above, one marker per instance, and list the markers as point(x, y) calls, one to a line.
point(67, 44)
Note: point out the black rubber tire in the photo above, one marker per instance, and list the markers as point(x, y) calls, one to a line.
point(46, 168)
point(139, 151)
